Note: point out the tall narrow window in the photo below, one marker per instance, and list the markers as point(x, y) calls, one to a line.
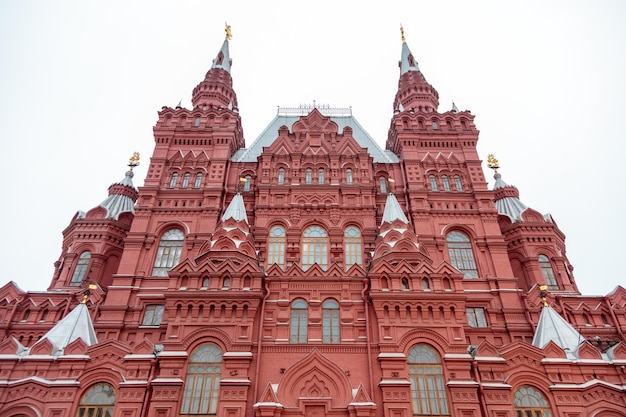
point(348, 176)
point(168, 254)
point(281, 176)
point(446, 183)
point(186, 180)
point(314, 247)
point(198, 182)
point(99, 401)
point(476, 317)
point(320, 176)
point(461, 254)
point(352, 246)
point(330, 322)
point(428, 389)
point(308, 179)
point(433, 182)
point(276, 247)
point(247, 183)
point(548, 273)
point(299, 321)
point(196, 122)
point(457, 183)
point(173, 180)
point(202, 387)
point(80, 272)
point(153, 315)
point(529, 402)
point(382, 181)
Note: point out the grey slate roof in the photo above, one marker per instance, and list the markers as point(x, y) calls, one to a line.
point(225, 64)
point(236, 210)
point(267, 137)
point(116, 204)
point(509, 206)
point(393, 211)
point(407, 62)
point(553, 327)
point(77, 324)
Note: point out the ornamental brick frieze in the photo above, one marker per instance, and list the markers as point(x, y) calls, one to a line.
point(499, 398)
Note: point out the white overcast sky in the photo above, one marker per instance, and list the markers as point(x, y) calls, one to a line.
point(81, 83)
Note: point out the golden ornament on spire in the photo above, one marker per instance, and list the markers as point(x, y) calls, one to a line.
point(492, 163)
point(133, 161)
point(402, 33)
point(229, 34)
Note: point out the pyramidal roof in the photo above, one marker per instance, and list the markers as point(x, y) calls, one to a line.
point(77, 324)
point(393, 211)
point(553, 327)
point(236, 210)
point(507, 200)
point(222, 60)
point(120, 199)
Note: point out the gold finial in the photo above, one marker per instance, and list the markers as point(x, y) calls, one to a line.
point(87, 292)
point(492, 163)
point(133, 161)
point(402, 33)
point(229, 34)
point(543, 294)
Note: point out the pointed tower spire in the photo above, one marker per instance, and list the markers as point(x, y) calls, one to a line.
point(217, 87)
point(236, 210)
point(553, 327)
point(393, 211)
point(414, 92)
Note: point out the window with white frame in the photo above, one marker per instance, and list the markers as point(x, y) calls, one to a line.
point(153, 315)
point(82, 266)
point(276, 246)
point(428, 387)
point(99, 400)
point(352, 246)
point(476, 317)
point(461, 254)
point(314, 247)
point(202, 385)
point(548, 273)
point(330, 322)
point(168, 253)
point(529, 402)
point(299, 321)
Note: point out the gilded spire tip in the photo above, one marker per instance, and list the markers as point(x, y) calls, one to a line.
point(229, 34)
point(492, 163)
point(543, 293)
point(402, 33)
point(133, 161)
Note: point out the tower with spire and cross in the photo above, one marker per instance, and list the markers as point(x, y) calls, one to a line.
point(312, 272)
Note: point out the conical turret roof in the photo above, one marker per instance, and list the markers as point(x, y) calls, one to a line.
point(236, 210)
point(122, 197)
point(507, 199)
point(393, 211)
point(77, 324)
point(553, 327)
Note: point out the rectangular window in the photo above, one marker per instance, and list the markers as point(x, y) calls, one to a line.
point(153, 315)
point(476, 317)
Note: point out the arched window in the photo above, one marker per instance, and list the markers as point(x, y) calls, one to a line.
point(198, 180)
point(382, 181)
point(173, 180)
point(308, 179)
point(80, 272)
point(99, 400)
point(281, 176)
point(457, 183)
point(405, 284)
point(529, 402)
point(352, 246)
point(433, 182)
point(276, 247)
point(247, 184)
point(425, 284)
point(168, 254)
point(320, 176)
point(330, 322)
point(548, 273)
point(446, 183)
point(461, 254)
point(428, 389)
point(186, 180)
point(202, 387)
point(348, 176)
point(314, 247)
point(299, 321)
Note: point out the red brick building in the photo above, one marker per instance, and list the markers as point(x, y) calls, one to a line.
point(312, 273)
